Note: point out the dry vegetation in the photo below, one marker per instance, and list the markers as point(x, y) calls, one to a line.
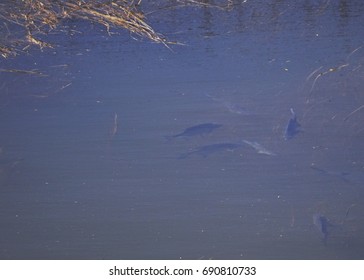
point(38, 17)
point(26, 22)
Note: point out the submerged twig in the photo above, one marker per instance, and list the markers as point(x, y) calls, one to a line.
point(20, 71)
point(354, 51)
point(353, 112)
point(321, 74)
point(206, 4)
point(114, 128)
point(313, 73)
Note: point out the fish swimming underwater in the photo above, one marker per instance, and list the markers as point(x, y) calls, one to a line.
point(322, 224)
point(259, 148)
point(200, 129)
point(293, 127)
point(207, 150)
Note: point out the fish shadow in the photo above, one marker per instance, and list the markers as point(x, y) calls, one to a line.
point(324, 226)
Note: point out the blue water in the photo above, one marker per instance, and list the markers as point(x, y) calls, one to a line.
point(73, 188)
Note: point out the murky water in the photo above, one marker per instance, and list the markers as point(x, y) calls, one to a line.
point(87, 170)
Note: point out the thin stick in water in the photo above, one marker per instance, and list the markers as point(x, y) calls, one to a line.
point(114, 129)
point(353, 112)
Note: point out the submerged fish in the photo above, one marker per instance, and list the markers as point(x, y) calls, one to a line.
point(205, 151)
point(259, 148)
point(322, 224)
point(200, 129)
point(293, 127)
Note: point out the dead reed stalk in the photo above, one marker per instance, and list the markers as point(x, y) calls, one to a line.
point(38, 17)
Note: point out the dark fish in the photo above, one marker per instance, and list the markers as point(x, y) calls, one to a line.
point(322, 224)
point(205, 151)
point(293, 127)
point(200, 129)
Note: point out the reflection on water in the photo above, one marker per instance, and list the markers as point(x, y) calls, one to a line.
point(86, 170)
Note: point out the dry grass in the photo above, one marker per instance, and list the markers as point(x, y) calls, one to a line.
point(24, 23)
point(38, 17)
point(227, 4)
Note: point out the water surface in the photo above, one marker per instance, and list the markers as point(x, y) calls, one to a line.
point(71, 187)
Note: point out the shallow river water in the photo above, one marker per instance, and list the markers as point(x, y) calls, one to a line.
point(89, 168)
